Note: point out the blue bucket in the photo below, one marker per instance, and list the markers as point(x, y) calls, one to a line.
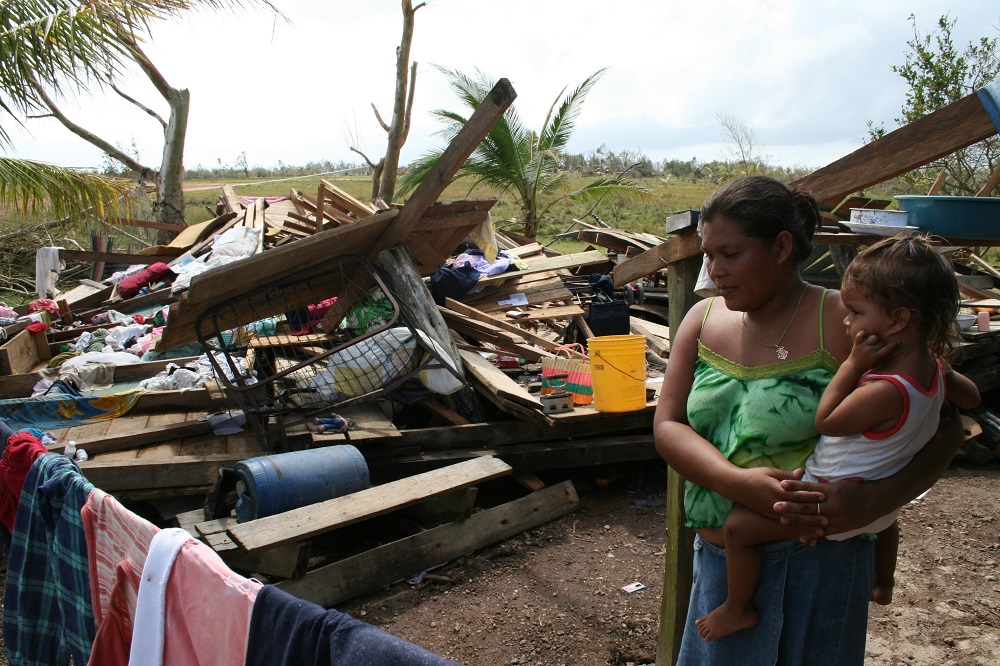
point(286, 481)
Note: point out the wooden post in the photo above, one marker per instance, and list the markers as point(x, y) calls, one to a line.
point(677, 563)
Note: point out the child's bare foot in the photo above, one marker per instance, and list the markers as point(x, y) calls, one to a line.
point(723, 621)
point(882, 592)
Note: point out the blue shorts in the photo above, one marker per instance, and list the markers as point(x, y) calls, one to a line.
point(812, 603)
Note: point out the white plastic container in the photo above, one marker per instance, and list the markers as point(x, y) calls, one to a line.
point(886, 218)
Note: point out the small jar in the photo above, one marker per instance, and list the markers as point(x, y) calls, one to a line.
point(983, 321)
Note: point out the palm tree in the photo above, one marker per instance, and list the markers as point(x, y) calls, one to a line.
point(514, 160)
point(61, 45)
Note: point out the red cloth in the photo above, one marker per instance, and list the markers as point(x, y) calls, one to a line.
point(36, 327)
point(131, 285)
point(22, 450)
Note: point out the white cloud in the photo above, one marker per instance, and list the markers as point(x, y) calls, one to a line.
point(804, 76)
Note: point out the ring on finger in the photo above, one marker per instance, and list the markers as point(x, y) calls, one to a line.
point(817, 508)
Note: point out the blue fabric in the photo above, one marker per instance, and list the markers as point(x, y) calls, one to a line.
point(454, 283)
point(989, 95)
point(287, 631)
point(812, 603)
point(47, 614)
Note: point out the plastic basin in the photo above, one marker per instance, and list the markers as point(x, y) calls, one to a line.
point(954, 217)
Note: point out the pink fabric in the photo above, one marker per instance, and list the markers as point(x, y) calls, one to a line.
point(208, 609)
point(114, 636)
point(113, 534)
point(131, 285)
point(22, 450)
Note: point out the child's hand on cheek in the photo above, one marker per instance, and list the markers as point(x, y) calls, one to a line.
point(869, 349)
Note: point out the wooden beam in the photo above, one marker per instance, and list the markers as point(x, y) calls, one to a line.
point(115, 258)
point(454, 156)
point(309, 521)
point(149, 473)
point(334, 583)
point(563, 261)
point(937, 134)
point(682, 246)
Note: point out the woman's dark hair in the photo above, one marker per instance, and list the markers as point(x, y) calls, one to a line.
point(908, 272)
point(766, 207)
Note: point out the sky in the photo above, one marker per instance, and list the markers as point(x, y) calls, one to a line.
point(803, 75)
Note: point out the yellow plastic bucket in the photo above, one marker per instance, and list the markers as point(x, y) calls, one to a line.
point(618, 366)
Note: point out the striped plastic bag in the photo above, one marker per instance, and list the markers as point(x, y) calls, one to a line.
point(569, 370)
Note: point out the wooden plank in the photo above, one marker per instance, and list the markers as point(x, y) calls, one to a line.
point(344, 200)
point(334, 583)
point(682, 246)
point(231, 201)
point(157, 472)
point(935, 135)
point(115, 258)
point(499, 322)
point(322, 517)
point(287, 560)
point(449, 415)
point(497, 382)
point(370, 422)
point(563, 261)
point(551, 312)
point(20, 355)
point(454, 156)
point(660, 345)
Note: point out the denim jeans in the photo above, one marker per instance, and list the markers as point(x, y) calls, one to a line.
point(812, 603)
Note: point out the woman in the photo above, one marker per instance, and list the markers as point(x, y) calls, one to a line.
point(736, 420)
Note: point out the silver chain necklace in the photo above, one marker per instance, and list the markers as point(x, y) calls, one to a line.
point(781, 351)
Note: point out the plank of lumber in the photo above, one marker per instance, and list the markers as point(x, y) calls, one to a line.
point(344, 200)
point(449, 415)
point(115, 258)
point(22, 353)
point(334, 583)
point(322, 517)
point(231, 201)
point(551, 312)
point(473, 131)
point(659, 344)
point(486, 332)
point(576, 260)
point(496, 381)
point(133, 431)
point(913, 145)
point(141, 473)
point(499, 322)
point(682, 246)
point(370, 422)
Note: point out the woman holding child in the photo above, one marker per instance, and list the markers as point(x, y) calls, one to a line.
point(736, 419)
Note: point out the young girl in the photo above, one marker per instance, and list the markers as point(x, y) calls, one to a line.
point(880, 408)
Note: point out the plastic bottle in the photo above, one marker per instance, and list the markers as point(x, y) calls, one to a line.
point(70, 450)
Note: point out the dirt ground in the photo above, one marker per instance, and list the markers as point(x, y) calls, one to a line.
point(554, 595)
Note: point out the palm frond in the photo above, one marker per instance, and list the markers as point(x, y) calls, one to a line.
point(558, 128)
point(28, 187)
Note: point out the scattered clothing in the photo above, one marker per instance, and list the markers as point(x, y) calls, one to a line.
point(287, 631)
point(44, 305)
point(453, 282)
point(130, 286)
point(56, 411)
point(117, 543)
point(48, 617)
point(47, 268)
point(200, 632)
point(20, 453)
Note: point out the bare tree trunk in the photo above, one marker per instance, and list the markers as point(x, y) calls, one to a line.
point(399, 126)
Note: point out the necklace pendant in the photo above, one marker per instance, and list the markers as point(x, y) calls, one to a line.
point(782, 353)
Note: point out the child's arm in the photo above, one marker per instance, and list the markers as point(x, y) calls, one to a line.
point(849, 409)
point(960, 390)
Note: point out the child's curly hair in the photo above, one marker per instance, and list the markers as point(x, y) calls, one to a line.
point(907, 271)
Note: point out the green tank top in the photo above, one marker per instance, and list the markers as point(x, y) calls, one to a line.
point(756, 416)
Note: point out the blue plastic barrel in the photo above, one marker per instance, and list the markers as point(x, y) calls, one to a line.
point(286, 481)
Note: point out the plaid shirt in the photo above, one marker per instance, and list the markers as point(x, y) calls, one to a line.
point(47, 615)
